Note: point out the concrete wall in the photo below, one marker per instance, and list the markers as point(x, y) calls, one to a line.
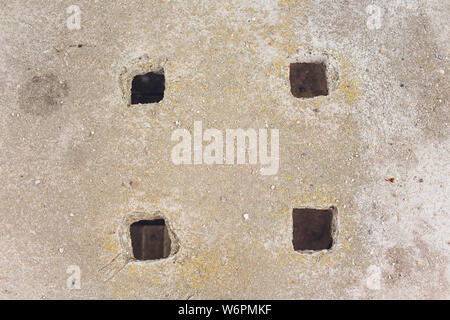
point(77, 161)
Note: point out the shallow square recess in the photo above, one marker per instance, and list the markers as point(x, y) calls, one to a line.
point(313, 229)
point(308, 80)
point(148, 88)
point(150, 239)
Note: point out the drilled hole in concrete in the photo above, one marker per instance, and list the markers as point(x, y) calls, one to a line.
point(313, 229)
point(148, 88)
point(150, 239)
point(308, 80)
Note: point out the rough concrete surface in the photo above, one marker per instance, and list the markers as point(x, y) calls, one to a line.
point(79, 164)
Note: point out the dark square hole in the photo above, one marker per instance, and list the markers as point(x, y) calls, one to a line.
point(308, 80)
point(150, 239)
point(148, 88)
point(313, 229)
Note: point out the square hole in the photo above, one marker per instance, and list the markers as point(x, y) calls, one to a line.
point(150, 239)
point(148, 88)
point(308, 80)
point(313, 229)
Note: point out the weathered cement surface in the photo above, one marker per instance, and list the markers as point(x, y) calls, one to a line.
point(75, 160)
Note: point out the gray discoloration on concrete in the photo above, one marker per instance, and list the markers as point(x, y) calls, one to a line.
point(226, 63)
point(42, 95)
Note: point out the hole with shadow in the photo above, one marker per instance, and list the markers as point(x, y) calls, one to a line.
point(150, 239)
point(148, 88)
point(313, 229)
point(308, 80)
